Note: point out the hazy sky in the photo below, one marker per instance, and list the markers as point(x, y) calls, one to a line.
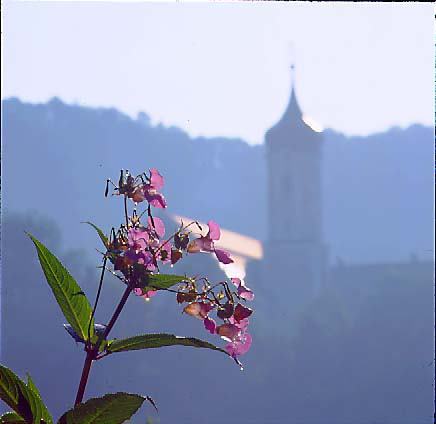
point(223, 68)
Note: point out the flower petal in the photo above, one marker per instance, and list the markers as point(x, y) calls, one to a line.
point(157, 225)
point(223, 256)
point(137, 239)
point(239, 347)
point(214, 230)
point(241, 312)
point(157, 200)
point(138, 291)
point(236, 281)
point(149, 294)
point(156, 180)
point(245, 293)
point(243, 324)
point(209, 325)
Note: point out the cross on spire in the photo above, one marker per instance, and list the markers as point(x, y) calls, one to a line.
point(291, 48)
point(292, 75)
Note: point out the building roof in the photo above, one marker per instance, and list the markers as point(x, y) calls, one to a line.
point(293, 112)
point(292, 128)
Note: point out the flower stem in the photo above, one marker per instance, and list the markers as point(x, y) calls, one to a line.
point(115, 316)
point(126, 216)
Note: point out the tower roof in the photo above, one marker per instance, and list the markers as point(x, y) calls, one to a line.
point(292, 114)
point(293, 111)
point(291, 128)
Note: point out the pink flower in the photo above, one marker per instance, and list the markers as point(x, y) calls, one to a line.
point(236, 334)
point(240, 345)
point(142, 257)
point(144, 247)
point(139, 242)
point(150, 191)
point(241, 340)
point(243, 291)
point(206, 244)
point(137, 239)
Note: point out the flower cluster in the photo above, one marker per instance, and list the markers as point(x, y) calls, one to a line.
point(226, 304)
point(137, 250)
point(142, 187)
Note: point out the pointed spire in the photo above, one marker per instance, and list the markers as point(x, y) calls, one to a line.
point(292, 115)
point(293, 110)
point(292, 130)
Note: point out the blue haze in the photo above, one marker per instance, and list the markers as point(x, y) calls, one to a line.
point(361, 351)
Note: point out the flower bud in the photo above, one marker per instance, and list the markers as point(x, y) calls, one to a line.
point(181, 241)
point(138, 195)
point(228, 331)
point(185, 297)
point(193, 309)
point(225, 311)
point(176, 255)
point(241, 312)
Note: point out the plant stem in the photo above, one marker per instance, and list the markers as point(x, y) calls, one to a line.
point(100, 285)
point(125, 212)
point(84, 377)
point(115, 316)
point(92, 353)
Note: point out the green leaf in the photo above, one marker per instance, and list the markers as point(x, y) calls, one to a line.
point(22, 399)
point(110, 409)
point(11, 418)
point(70, 297)
point(163, 281)
point(151, 341)
point(31, 385)
point(103, 238)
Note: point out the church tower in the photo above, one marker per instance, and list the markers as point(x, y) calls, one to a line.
point(295, 250)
